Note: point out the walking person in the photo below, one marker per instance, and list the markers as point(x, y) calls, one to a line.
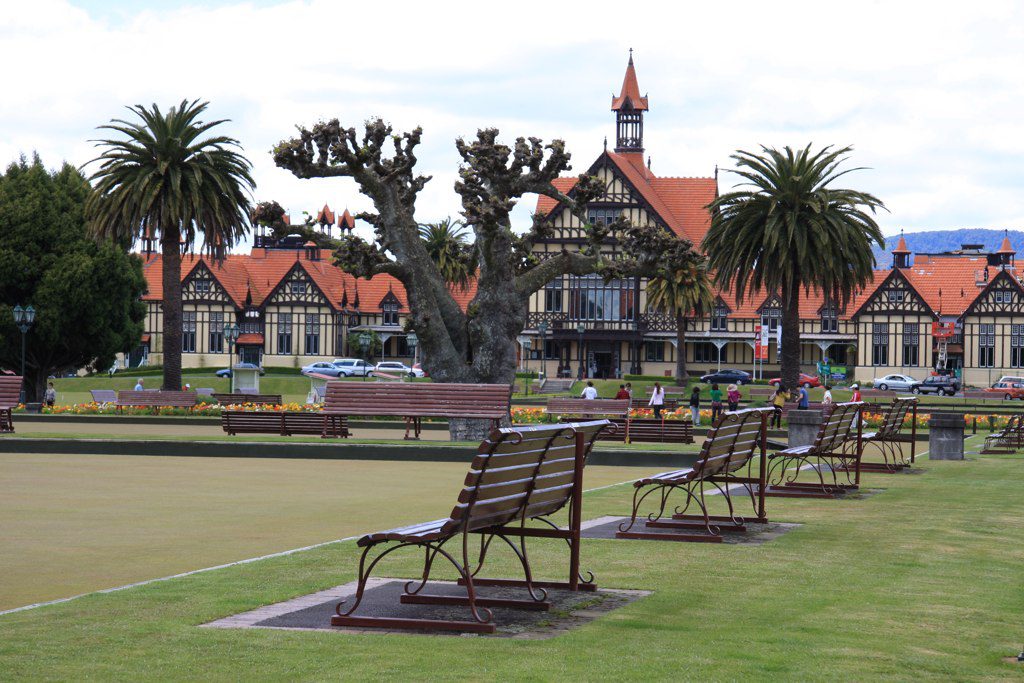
point(716, 402)
point(856, 392)
point(589, 392)
point(826, 401)
point(695, 406)
point(733, 397)
point(657, 401)
point(50, 395)
point(779, 399)
point(804, 401)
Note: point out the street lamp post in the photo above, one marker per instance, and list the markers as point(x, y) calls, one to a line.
point(23, 318)
point(543, 329)
point(231, 332)
point(412, 341)
point(581, 329)
point(364, 343)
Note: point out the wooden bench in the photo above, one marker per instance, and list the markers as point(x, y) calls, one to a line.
point(836, 450)
point(889, 439)
point(730, 447)
point(10, 397)
point(241, 397)
point(592, 408)
point(413, 401)
point(519, 474)
point(652, 431)
point(285, 423)
point(155, 399)
point(1009, 439)
point(671, 405)
point(103, 396)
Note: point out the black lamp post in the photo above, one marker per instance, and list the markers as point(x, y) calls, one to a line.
point(581, 329)
point(543, 329)
point(231, 332)
point(364, 343)
point(412, 341)
point(23, 318)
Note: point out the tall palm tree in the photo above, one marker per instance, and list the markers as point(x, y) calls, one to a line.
point(792, 231)
point(449, 248)
point(683, 292)
point(164, 180)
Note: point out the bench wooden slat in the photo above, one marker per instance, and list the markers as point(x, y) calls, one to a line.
point(156, 399)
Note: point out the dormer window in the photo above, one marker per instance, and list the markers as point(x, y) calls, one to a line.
point(390, 314)
point(896, 296)
point(770, 318)
point(298, 287)
point(602, 216)
point(720, 319)
point(829, 319)
point(201, 285)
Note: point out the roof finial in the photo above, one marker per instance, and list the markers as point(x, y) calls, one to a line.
point(606, 143)
point(716, 173)
point(648, 162)
point(630, 55)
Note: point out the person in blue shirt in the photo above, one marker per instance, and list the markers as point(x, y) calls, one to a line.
point(804, 401)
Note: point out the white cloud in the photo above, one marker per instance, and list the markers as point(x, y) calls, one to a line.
point(926, 92)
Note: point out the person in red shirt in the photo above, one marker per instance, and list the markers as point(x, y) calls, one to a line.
point(621, 393)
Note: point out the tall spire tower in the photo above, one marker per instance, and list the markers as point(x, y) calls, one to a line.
point(629, 108)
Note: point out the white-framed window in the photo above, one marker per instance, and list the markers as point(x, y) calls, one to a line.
point(389, 313)
point(217, 332)
point(880, 343)
point(188, 332)
point(986, 345)
point(829, 319)
point(720, 319)
point(1017, 346)
point(297, 287)
point(312, 334)
point(911, 345)
point(284, 333)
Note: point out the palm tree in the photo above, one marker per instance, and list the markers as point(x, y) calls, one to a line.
point(792, 231)
point(449, 248)
point(163, 180)
point(683, 292)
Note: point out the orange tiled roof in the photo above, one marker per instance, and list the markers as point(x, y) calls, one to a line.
point(1006, 247)
point(257, 276)
point(901, 247)
point(948, 283)
point(629, 96)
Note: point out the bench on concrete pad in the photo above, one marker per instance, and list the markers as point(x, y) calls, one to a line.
point(728, 450)
point(283, 423)
point(1009, 439)
point(889, 438)
point(412, 401)
point(652, 431)
point(836, 451)
point(519, 474)
point(242, 397)
point(10, 396)
point(155, 399)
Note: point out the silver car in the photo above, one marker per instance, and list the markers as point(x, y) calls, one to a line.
point(894, 382)
point(321, 368)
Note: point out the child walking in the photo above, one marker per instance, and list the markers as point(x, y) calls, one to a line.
point(733, 396)
point(695, 406)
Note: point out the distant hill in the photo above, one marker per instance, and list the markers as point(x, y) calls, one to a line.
point(934, 241)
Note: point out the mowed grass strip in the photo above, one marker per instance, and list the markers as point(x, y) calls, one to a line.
point(919, 581)
point(79, 523)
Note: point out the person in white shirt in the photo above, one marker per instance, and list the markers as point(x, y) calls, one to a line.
point(826, 401)
point(138, 385)
point(589, 393)
point(657, 399)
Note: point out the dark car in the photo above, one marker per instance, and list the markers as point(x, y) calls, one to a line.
point(726, 377)
point(938, 385)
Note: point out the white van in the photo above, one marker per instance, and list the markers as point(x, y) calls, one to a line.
point(1008, 379)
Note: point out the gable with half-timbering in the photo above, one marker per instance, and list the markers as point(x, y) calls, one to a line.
point(619, 199)
point(201, 285)
point(1003, 296)
point(894, 296)
point(297, 288)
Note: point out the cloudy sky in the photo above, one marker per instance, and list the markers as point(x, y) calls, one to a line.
point(929, 94)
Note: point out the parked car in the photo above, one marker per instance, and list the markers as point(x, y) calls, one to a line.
point(938, 385)
point(1007, 390)
point(895, 382)
point(419, 368)
point(805, 380)
point(353, 367)
point(226, 372)
point(728, 376)
point(394, 367)
point(322, 368)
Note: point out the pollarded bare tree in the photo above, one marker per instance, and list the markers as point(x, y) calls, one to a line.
point(478, 344)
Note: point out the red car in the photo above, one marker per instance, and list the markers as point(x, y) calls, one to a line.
point(805, 380)
point(1007, 390)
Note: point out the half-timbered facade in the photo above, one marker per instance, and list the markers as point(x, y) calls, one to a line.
point(606, 330)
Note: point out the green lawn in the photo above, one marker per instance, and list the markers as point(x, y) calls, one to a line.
point(919, 581)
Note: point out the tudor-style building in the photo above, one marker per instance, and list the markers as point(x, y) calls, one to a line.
point(605, 329)
point(292, 305)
